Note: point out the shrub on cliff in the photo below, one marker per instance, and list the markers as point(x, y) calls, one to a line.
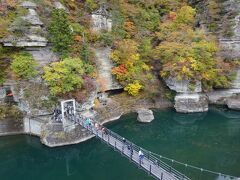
point(24, 66)
point(66, 75)
point(133, 88)
point(60, 32)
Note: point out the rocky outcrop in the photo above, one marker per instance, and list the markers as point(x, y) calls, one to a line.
point(31, 27)
point(33, 18)
point(233, 103)
point(231, 45)
point(188, 103)
point(223, 19)
point(145, 115)
point(189, 98)
point(43, 55)
point(104, 67)
point(183, 86)
point(101, 19)
point(228, 32)
point(220, 97)
point(32, 37)
point(26, 41)
point(53, 134)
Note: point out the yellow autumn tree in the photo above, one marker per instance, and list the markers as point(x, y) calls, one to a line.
point(133, 88)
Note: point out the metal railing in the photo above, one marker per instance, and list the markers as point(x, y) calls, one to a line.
point(153, 159)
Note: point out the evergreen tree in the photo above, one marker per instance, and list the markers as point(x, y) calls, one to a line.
point(60, 32)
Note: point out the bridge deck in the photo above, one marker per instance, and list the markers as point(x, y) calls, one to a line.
point(151, 164)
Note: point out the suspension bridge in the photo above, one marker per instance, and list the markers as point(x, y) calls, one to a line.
point(152, 163)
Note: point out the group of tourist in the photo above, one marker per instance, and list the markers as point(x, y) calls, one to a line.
point(68, 112)
point(57, 115)
point(90, 124)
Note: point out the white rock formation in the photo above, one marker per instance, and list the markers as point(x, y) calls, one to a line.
point(32, 18)
point(101, 20)
point(182, 86)
point(189, 103)
point(188, 99)
point(221, 96)
point(233, 103)
point(145, 115)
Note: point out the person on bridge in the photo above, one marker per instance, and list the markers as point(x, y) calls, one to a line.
point(96, 126)
point(104, 131)
point(140, 156)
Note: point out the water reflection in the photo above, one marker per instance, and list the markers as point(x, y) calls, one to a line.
point(189, 118)
point(225, 112)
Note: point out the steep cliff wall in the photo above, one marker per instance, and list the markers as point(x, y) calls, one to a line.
point(222, 18)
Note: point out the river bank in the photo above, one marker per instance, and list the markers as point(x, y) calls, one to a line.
point(52, 134)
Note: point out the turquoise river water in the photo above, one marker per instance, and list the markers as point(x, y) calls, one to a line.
point(210, 140)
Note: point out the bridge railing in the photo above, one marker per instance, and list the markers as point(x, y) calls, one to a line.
point(150, 156)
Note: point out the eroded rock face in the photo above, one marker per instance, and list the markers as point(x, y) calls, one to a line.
point(101, 20)
point(233, 103)
point(145, 115)
point(104, 67)
point(183, 86)
point(189, 103)
point(27, 41)
point(43, 55)
point(32, 30)
point(231, 45)
point(32, 18)
point(188, 98)
point(221, 97)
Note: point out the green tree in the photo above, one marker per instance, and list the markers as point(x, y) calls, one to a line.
point(66, 75)
point(24, 66)
point(60, 32)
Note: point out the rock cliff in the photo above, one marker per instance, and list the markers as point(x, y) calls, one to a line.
point(226, 24)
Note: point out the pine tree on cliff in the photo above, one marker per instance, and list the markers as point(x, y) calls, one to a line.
point(60, 32)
